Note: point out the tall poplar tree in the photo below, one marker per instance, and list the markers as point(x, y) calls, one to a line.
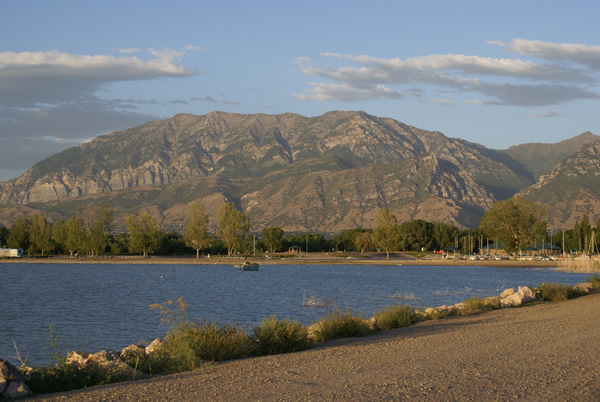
point(195, 233)
point(144, 234)
point(232, 226)
point(273, 238)
point(386, 231)
point(96, 223)
point(19, 234)
point(75, 237)
point(40, 234)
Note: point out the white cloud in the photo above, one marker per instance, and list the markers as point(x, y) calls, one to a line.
point(501, 81)
point(129, 51)
point(442, 102)
point(49, 100)
point(541, 114)
point(564, 52)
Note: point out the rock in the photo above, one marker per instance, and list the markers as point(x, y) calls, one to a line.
point(132, 353)
point(12, 383)
point(585, 287)
point(76, 358)
point(460, 306)
point(527, 295)
point(150, 349)
point(16, 389)
point(103, 357)
point(513, 300)
point(8, 371)
point(507, 292)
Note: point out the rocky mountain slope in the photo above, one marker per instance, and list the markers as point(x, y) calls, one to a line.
point(324, 173)
point(540, 159)
point(571, 189)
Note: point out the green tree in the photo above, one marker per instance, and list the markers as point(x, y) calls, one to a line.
point(40, 234)
point(416, 234)
point(386, 231)
point(75, 236)
point(232, 226)
point(119, 244)
point(516, 222)
point(364, 241)
point(59, 235)
point(96, 223)
point(144, 234)
point(196, 230)
point(3, 235)
point(273, 238)
point(344, 240)
point(19, 234)
point(586, 232)
point(443, 235)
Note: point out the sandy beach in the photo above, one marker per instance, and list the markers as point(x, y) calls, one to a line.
point(538, 352)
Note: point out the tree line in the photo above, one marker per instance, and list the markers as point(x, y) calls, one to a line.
point(515, 223)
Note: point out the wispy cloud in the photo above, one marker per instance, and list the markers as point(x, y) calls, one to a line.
point(442, 102)
point(541, 114)
point(566, 73)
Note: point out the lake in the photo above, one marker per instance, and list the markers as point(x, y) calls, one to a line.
point(106, 306)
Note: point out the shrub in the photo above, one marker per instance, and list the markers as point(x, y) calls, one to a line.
point(395, 316)
point(212, 343)
point(280, 336)
point(67, 377)
point(188, 346)
point(557, 292)
point(338, 325)
point(595, 280)
point(476, 305)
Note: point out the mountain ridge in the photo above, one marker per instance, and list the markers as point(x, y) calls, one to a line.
point(319, 173)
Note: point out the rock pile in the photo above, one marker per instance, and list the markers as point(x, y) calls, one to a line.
point(114, 361)
point(508, 298)
point(12, 384)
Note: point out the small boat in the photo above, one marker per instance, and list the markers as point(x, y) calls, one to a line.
point(247, 266)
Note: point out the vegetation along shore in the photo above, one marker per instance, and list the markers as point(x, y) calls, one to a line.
point(512, 230)
point(539, 351)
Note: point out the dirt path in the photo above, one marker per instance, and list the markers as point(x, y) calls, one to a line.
point(541, 352)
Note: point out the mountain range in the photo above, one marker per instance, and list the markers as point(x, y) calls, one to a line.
point(324, 173)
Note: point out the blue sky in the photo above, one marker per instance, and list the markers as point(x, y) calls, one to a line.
point(494, 73)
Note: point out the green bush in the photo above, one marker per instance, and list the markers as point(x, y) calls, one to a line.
point(557, 292)
point(212, 343)
point(476, 305)
point(188, 346)
point(395, 316)
point(196, 345)
point(595, 280)
point(338, 325)
point(280, 336)
point(67, 377)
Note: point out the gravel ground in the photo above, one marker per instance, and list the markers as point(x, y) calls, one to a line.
point(547, 351)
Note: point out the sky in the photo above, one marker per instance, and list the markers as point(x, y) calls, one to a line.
point(495, 73)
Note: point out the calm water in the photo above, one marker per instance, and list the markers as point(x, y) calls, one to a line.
point(100, 306)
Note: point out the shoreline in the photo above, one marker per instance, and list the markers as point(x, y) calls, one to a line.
point(537, 352)
point(315, 259)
